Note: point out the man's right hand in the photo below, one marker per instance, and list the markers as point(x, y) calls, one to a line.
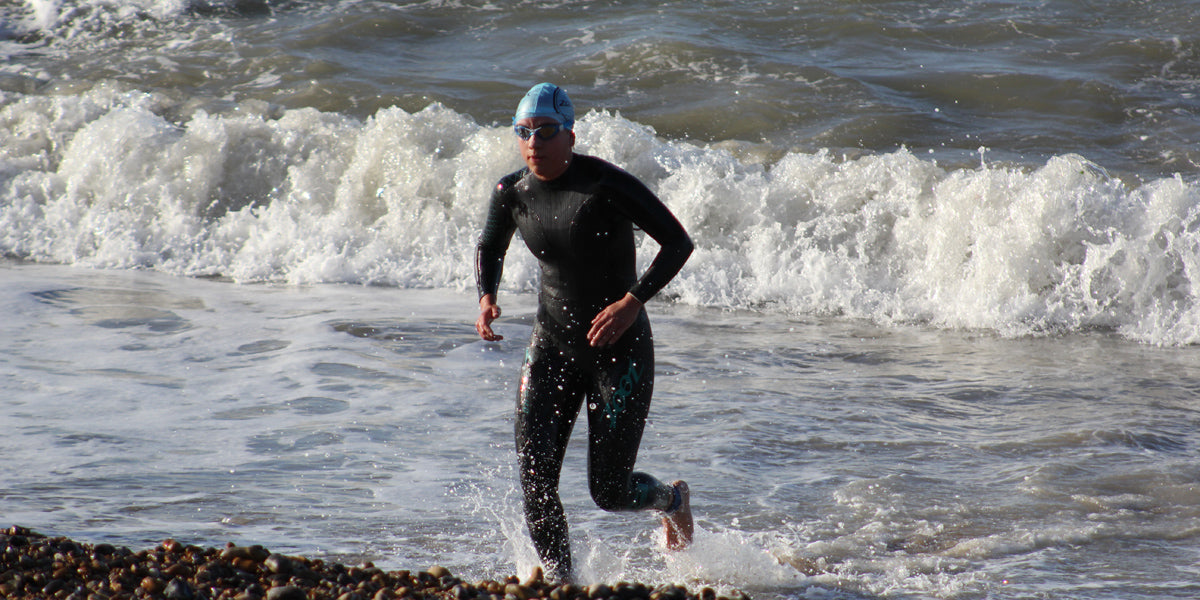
point(488, 311)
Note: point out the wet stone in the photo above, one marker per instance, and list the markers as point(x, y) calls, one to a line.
point(34, 566)
point(287, 592)
point(279, 564)
point(598, 591)
point(179, 589)
point(254, 553)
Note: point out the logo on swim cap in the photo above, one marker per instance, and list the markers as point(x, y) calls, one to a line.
point(547, 100)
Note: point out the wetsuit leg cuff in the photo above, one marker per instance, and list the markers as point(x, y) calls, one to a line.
point(676, 500)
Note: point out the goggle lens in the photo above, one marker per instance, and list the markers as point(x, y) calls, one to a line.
point(544, 132)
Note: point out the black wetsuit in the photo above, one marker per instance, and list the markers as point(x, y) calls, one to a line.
point(580, 227)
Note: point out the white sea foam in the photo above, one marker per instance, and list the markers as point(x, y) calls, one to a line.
point(104, 179)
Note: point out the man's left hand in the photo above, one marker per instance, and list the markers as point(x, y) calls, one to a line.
point(614, 321)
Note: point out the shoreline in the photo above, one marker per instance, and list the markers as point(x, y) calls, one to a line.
point(33, 565)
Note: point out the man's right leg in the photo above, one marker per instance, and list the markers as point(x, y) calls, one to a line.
point(548, 402)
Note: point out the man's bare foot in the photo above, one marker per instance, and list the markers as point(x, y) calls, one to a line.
point(678, 522)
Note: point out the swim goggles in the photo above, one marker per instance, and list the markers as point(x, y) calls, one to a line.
point(544, 132)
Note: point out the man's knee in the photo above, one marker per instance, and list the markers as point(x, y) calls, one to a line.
point(609, 498)
point(638, 491)
point(614, 493)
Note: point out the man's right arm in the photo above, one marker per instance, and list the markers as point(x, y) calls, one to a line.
point(489, 258)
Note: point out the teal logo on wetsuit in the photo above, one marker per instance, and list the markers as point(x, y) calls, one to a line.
point(621, 394)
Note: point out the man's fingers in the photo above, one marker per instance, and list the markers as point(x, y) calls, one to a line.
point(483, 325)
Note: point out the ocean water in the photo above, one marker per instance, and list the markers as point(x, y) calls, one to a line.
point(938, 338)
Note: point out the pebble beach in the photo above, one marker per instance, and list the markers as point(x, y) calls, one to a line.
point(34, 565)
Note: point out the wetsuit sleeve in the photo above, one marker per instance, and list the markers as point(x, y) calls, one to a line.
point(632, 198)
point(498, 230)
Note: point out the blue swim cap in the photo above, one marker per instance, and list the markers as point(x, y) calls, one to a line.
point(547, 100)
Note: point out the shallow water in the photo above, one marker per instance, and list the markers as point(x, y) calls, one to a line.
point(828, 458)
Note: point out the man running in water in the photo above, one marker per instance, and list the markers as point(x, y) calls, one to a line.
point(591, 339)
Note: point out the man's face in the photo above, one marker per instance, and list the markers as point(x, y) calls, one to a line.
point(547, 159)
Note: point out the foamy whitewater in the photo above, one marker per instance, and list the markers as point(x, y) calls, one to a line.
point(396, 199)
point(938, 338)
